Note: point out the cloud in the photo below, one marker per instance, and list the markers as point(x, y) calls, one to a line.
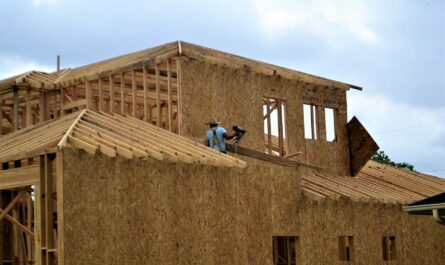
point(10, 66)
point(326, 18)
point(406, 133)
point(39, 2)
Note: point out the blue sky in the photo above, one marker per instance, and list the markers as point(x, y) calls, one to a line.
point(394, 49)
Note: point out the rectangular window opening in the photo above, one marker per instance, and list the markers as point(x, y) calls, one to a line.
point(285, 250)
point(330, 124)
point(389, 248)
point(274, 113)
point(310, 121)
point(346, 248)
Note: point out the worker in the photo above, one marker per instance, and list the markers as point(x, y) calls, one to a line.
point(217, 135)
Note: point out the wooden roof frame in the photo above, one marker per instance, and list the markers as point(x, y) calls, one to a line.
point(112, 135)
point(144, 58)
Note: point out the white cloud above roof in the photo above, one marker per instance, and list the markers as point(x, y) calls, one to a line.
point(327, 18)
point(11, 66)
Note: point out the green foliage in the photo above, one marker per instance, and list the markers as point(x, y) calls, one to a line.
point(383, 158)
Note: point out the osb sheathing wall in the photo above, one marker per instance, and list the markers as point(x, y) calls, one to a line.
point(235, 97)
point(149, 212)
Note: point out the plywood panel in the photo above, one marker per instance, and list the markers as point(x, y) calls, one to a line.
point(235, 97)
point(361, 145)
point(151, 212)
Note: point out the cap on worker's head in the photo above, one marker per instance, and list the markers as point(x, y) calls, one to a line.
point(213, 120)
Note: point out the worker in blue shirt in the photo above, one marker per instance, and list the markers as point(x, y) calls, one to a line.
point(217, 135)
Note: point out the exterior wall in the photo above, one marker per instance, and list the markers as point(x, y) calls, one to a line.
point(235, 96)
point(149, 212)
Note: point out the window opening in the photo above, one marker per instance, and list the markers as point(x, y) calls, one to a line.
point(285, 250)
point(346, 248)
point(330, 124)
point(310, 121)
point(389, 247)
point(275, 141)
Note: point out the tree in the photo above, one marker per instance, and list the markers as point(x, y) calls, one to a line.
point(383, 158)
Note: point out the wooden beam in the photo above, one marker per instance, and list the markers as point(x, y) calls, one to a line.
point(145, 93)
point(158, 98)
point(48, 201)
point(268, 158)
point(42, 106)
point(28, 108)
point(179, 85)
point(169, 95)
point(269, 127)
point(313, 195)
point(62, 102)
point(18, 224)
point(122, 94)
point(101, 95)
point(313, 122)
point(19, 177)
point(280, 127)
point(60, 209)
point(111, 94)
point(133, 85)
point(64, 139)
point(88, 94)
point(16, 109)
point(11, 205)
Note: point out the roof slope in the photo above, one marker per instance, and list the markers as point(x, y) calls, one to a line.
point(375, 182)
point(112, 135)
point(119, 62)
point(36, 79)
point(157, 54)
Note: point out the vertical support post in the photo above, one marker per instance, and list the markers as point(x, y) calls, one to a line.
point(88, 94)
point(16, 235)
point(56, 103)
point(62, 102)
point(158, 98)
point(42, 106)
point(313, 128)
point(47, 105)
point(122, 95)
point(169, 94)
point(144, 76)
point(60, 214)
point(321, 130)
point(40, 234)
point(280, 127)
point(101, 95)
point(133, 86)
point(49, 158)
point(29, 226)
point(269, 127)
point(28, 108)
point(16, 109)
point(111, 95)
point(179, 96)
point(74, 93)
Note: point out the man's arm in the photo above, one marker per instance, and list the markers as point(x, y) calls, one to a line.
point(229, 136)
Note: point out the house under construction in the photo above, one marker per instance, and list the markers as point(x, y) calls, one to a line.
point(105, 164)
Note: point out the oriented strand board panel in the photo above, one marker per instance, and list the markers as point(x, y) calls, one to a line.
point(121, 211)
point(235, 97)
point(361, 145)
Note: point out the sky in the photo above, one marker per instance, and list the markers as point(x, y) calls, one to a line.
point(394, 49)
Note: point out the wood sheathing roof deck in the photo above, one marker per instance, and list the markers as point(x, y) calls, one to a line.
point(112, 135)
point(375, 183)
